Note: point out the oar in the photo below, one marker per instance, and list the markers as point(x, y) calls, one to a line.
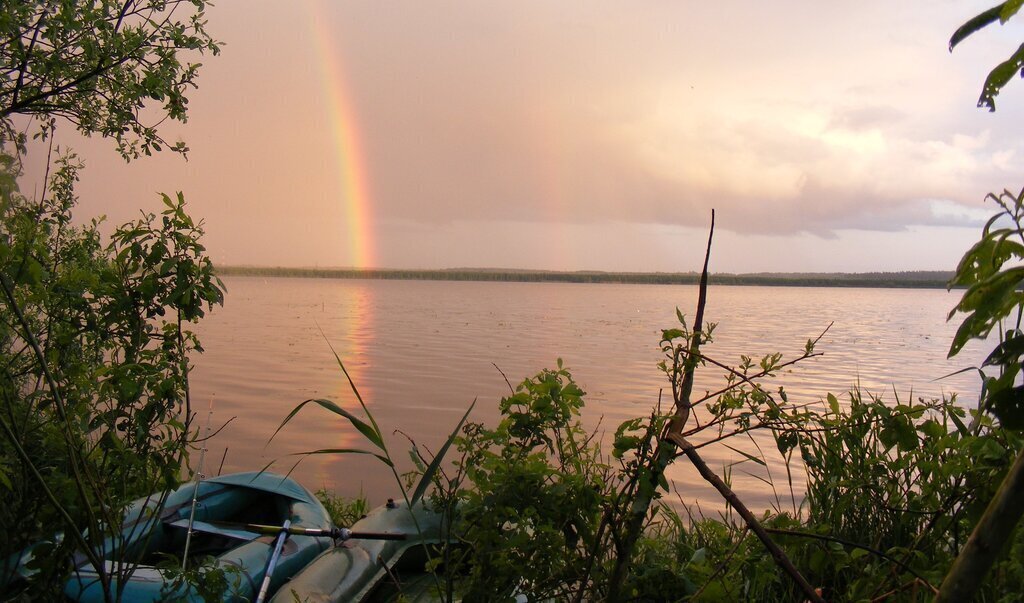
point(281, 537)
point(335, 533)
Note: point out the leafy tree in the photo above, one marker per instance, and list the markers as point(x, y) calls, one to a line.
point(94, 344)
point(94, 337)
point(100, 65)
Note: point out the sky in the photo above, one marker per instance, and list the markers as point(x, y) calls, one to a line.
point(582, 135)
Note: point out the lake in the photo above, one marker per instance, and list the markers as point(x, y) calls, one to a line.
point(421, 351)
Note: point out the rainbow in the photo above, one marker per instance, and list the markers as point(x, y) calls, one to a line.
point(352, 174)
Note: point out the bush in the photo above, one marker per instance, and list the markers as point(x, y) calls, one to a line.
point(94, 345)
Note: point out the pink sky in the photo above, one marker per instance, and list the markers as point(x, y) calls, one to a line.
point(584, 135)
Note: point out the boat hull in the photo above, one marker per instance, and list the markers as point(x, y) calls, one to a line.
point(243, 498)
point(357, 568)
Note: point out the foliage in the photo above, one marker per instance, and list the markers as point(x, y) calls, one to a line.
point(94, 343)
point(906, 480)
point(94, 339)
point(992, 272)
point(892, 491)
point(343, 511)
point(534, 494)
point(1002, 73)
point(207, 580)
point(100, 65)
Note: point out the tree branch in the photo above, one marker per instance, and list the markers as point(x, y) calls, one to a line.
point(777, 553)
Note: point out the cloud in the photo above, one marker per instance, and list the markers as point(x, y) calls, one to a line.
point(791, 119)
point(544, 113)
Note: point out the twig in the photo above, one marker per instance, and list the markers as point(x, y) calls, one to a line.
point(214, 434)
point(682, 398)
point(505, 377)
point(721, 566)
point(758, 375)
point(856, 545)
point(777, 553)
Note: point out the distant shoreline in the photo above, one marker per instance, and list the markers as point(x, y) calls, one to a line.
point(907, 280)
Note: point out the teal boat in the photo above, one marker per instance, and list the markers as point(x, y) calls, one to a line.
point(223, 503)
point(373, 569)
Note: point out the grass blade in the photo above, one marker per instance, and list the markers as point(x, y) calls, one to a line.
point(758, 477)
point(428, 475)
point(369, 432)
point(750, 457)
point(352, 386)
point(384, 459)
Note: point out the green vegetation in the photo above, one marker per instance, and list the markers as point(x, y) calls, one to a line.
point(101, 66)
point(895, 492)
point(95, 343)
point(1002, 73)
point(910, 501)
point(344, 511)
point(94, 337)
point(914, 279)
point(907, 500)
point(538, 507)
point(991, 270)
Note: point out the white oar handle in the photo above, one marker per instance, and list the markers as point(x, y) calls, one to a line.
point(265, 588)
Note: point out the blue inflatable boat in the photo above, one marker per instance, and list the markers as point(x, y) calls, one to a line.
point(222, 503)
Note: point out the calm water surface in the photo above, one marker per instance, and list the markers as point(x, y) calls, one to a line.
point(421, 352)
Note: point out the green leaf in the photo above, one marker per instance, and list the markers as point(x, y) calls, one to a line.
point(999, 77)
point(414, 455)
point(959, 424)
point(32, 272)
point(986, 18)
point(428, 475)
point(670, 334)
point(1007, 352)
point(833, 403)
point(1010, 8)
point(988, 301)
point(932, 429)
point(906, 435)
point(1008, 405)
point(786, 441)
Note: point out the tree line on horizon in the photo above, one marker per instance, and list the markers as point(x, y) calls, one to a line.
point(934, 279)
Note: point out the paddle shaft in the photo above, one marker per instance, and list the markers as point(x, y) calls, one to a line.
point(335, 533)
point(281, 537)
